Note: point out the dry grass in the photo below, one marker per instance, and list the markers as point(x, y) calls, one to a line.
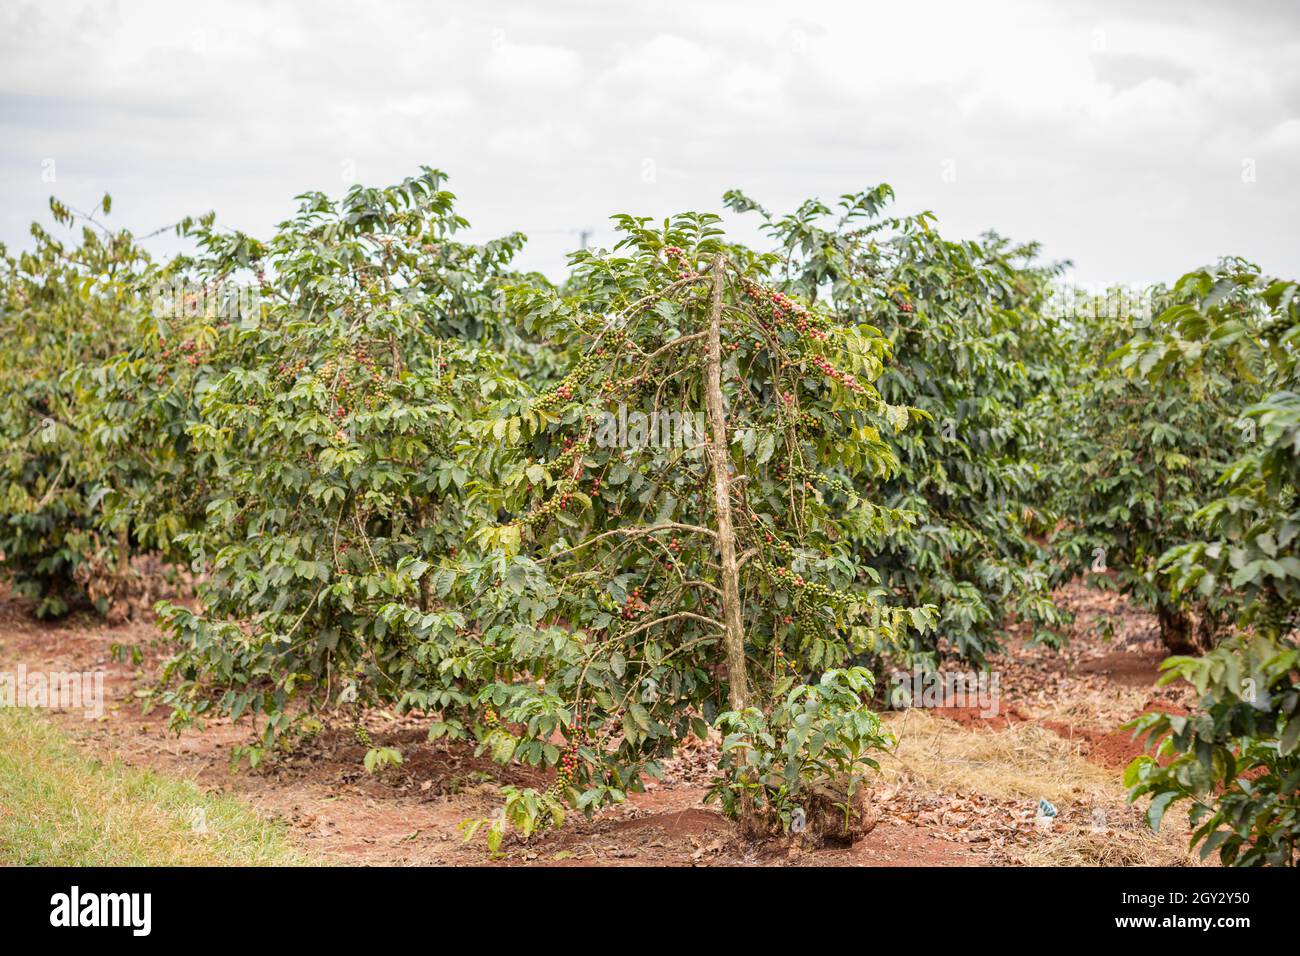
point(1104, 709)
point(1021, 762)
point(1131, 845)
point(1018, 765)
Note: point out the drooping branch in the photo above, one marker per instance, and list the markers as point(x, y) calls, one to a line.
point(677, 616)
point(632, 532)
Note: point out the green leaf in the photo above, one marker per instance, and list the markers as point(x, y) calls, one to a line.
point(1290, 736)
point(1159, 804)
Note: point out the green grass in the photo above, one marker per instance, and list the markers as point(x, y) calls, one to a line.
point(62, 807)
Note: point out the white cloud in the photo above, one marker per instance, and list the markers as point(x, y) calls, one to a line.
point(523, 67)
point(1284, 138)
point(1115, 136)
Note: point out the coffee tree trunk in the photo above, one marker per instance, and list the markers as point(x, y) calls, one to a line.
point(121, 590)
point(1183, 632)
point(720, 462)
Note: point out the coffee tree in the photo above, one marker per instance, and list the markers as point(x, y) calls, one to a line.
point(341, 421)
point(971, 345)
point(1237, 760)
point(64, 307)
point(1137, 455)
point(135, 408)
point(681, 548)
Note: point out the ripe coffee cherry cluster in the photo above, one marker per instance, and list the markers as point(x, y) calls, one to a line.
point(288, 370)
point(844, 378)
point(490, 718)
point(768, 540)
point(568, 766)
point(795, 579)
point(364, 358)
point(633, 605)
point(330, 375)
point(192, 352)
point(777, 309)
point(578, 733)
point(564, 775)
point(678, 256)
point(675, 546)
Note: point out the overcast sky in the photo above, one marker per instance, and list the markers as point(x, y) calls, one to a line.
point(1137, 140)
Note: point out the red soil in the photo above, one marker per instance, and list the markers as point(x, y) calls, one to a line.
point(411, 814)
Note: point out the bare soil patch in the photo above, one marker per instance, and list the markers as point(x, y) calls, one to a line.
point(961, 790)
